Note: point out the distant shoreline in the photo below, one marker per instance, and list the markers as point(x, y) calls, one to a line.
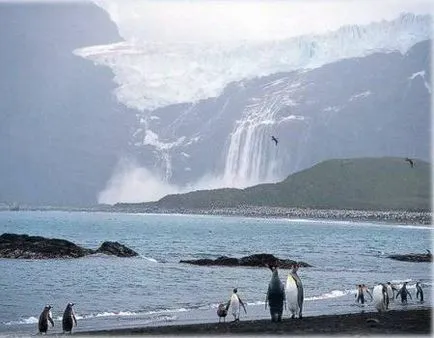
point(390, 216)
point(368, 323)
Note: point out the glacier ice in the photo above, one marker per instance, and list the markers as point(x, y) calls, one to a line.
point(151, 74)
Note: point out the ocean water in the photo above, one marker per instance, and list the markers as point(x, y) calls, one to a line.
point(155, 289)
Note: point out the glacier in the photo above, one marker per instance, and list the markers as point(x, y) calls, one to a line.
point(151, 75)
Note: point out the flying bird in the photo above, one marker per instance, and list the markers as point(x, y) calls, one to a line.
point(274, 139)
point(409, 160)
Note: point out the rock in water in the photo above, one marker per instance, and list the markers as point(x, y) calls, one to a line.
point(257, 260)
point(37, 247)
point(117, 249)
point(424, 257)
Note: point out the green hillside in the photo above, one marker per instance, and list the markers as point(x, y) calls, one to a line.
point(363, 183)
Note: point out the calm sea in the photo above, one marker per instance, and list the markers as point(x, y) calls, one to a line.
point(156, 289)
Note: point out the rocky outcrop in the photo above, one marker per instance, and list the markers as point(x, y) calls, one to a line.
point(257, 260)
point(117, 249)
point(37, 247)
point(413, 257)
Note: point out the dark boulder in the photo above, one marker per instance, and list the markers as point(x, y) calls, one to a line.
point(37, 247)
point(117, 249)
point(257, 260)
point(412, 257)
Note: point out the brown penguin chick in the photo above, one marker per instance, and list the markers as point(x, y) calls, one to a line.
point(222, 312)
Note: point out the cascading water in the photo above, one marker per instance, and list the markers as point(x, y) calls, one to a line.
point(252, 157)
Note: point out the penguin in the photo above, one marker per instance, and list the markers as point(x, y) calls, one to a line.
point(235, 302)
point(360, 297)
point(360, 293)
point(391, 291)
point(419, 292)
point(44, 318)
point(275, 296)
point(366, 289)
point(294, 292)
point(68, 319)
point(380, 297)
point(403, 292)
point(222, 312)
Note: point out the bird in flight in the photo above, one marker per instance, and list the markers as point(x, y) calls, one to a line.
point(409, 160)
point(274, 139)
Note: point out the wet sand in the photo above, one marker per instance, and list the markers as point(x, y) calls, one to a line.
point(409, 322)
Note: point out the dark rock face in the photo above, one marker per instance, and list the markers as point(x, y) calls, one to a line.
point(37, 247)
point(117, 249)
point(413, 257)
point(257, 260)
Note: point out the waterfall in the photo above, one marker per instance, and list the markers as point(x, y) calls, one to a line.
point(251, 156)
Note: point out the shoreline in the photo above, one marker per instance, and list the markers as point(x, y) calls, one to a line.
point(400, 217)
point(415, 321)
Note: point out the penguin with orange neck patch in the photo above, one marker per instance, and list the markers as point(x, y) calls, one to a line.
point(294, 293)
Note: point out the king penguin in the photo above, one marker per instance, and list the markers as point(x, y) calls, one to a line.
point(294, 292)
point(380, 298)
point(275, 296)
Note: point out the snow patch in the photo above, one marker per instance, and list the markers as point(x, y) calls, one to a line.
point(360, 95)
point(185, 154)
point(422, 75)
point(332, 108)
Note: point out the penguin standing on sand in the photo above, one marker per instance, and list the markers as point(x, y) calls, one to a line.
point(44, 318)
point(68, 319)
point(360, 297)
point(403, 292)
point(360, 293)
point(419, 292)
point(235, 302)
point(294, 292)
point(391, 291)
point(380, 298)
point(275, 296)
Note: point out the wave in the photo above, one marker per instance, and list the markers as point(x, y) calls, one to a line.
point(34, 320)
point(29, 320)
point(150, 259)
point(331, 294)
point(157, 312)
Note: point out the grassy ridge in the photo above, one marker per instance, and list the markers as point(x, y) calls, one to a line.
point(362, 183)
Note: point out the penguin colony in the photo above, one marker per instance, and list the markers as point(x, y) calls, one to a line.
point(290, 296)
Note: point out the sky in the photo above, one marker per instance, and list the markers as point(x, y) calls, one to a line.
point(198, 20)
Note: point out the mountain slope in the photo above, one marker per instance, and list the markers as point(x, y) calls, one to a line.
point(61, 130)
point(363, 183)
point(373, 106)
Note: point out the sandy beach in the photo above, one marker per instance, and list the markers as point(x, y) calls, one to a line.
point(414, 322)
